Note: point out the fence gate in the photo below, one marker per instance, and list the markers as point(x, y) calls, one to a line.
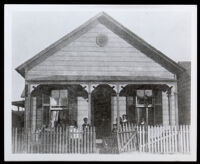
point(127, 138)
point(154, 139)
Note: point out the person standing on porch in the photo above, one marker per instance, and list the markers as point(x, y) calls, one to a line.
point(85, 124)
point(124, 119)
point(142, 122)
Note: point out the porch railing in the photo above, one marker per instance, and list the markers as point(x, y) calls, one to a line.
point(58, 140)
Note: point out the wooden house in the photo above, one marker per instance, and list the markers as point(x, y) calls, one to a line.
point(100, 71)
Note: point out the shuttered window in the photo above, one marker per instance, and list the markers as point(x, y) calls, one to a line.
point(136, 107)
point(59, 107)
point(158, 118)
point(58, 99)
point(45, 101)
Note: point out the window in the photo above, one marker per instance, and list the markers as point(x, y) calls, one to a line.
point(138, 112)
point(143, 98)
point(58, 99)
point(58, 107)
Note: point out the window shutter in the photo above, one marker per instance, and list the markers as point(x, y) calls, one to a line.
point(158, 107)
point(45, 99)
point(131, 109)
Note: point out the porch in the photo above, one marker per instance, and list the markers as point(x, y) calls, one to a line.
point(103, 104)
point(55, 111)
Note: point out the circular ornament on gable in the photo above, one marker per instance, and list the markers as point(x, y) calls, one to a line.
point(101, 40)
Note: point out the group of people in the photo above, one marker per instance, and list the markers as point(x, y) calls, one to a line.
point(123, 122)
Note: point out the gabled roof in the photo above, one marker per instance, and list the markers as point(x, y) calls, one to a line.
point(114, 26)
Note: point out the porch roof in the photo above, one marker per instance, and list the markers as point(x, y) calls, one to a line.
point(18, 103)
point(80, 78)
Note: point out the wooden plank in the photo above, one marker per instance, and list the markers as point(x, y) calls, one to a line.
point(94, 140)
point(161, 139)
point(129, 135)
point(170, 139)
point(167, 139)
point(79, 139)
point(181, 138)
point(75, 141)
point(189, 138)
point(63, 140)
point(82, 142)
point(140, 139)
point(66, 139)
point(184, 147)
point(16, 131)
point(176, 137)
point(143, 139)
point(103, 57)
point(87, 141)
point(96, 63)
point(13, 140)
point(158, 139)
point(60, 139)
point(173, 142)
point(34, 74)
point(155, 139)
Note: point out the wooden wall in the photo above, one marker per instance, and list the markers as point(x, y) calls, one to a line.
point(85, 57)
point(184, 94)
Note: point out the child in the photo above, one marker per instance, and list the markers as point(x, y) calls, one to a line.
point(85, 124)
point(114, 130)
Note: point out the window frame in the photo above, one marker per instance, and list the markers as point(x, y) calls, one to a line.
point(58, 107)
point(143, 105)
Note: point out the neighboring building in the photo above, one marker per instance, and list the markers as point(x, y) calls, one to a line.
point(101, 71)
point(17, 119)
point(184, 94)
point(18, 116)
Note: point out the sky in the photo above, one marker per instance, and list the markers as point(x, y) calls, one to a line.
point(33, 28)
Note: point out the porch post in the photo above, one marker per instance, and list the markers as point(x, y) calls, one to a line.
point(33, 113)
point(89, 88)
point(169, 104)
point(176, 105)
point(27, 107)
point(89, 108)
point(118, 117)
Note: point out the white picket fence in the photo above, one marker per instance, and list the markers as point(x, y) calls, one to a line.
point(164, 139)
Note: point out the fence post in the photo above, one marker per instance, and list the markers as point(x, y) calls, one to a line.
point(181, 142)
point(158, 138)
point(184, 141)
point(94, 140)
point(188, 138)
point(161, 139)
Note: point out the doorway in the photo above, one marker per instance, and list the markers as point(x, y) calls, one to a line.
point(101, 110)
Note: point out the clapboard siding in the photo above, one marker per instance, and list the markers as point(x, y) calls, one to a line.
point(184, 96)
point(81, 64)
point(39, 116)
point(91, 73)
point(84, 57)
